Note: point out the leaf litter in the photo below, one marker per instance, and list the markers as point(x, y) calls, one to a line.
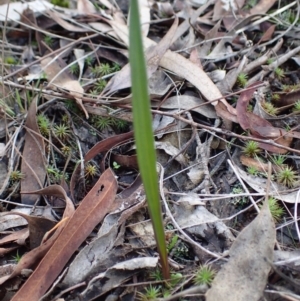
point(224, 84)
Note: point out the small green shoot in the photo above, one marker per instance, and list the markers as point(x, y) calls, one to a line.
point(105, 69)
point(278, 159)
point(6, 108)
point(156, 275)
point(205, 275)
point(249, 108)
point(120, 124)
point(275, 209)
point(18, 257)
point(275, 97)
point(143, 133)
point(74, 69)
point(242, 80)
point(250, 4)
point(269, 108)
point(175, 279)
point(252, 170)
point(297, 106)
point(62, 131)
point(172, 243)
point(100, 85)
point(241, 200)
point(54, 174)
point(102, 122)
point(89, 61)
point(270, 61)
point(116, 165)
point(151, 293)
point(66, 150)
point(90, 171)
point(48, 40)
point(10, 60)
point(116, 67)
point(279, 73)
point(61, 3)
point(287, 176)
point(43, 124)
point(16, 176)
point(251, 148)
point(102, 70)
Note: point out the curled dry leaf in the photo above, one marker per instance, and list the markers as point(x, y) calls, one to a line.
point(154, 54)
point(101, 146)
point(37, 227)
point(245, 275)
point(19, 237)
point(58, 18)
point(63, 81)
point(116, 276)
point(34, 256)
point(86, 7)
point(14, 10)
point(145, 17)
point(259, 127)
point(262, 7)
point(33, 159)
point(258, 165)
point(188, 70)
point(103, 246)
point(260, 185)
point(91, 211)
point(188, 102)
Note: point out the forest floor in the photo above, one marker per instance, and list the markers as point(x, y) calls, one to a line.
point(224, 81)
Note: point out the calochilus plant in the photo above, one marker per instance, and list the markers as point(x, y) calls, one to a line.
point(143, 134)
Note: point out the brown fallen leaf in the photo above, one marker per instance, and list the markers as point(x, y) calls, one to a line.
point(245, 275)
point(86, 7)
point(91, 211)
point(109, 236)
point(58, 18)
point(62, 80)
point(18, 237)
point(101, 146)
point(259, 166)
point(33, 160)
point(37, 227)
point(260, 127)
point(262, 7)
point(154, 54)
point(125, 160)
point(34, 256)
point(267, 34)
point(184, 68)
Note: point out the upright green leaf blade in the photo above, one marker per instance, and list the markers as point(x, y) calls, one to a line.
point(143, 133)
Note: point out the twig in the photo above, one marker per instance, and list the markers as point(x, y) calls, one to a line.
point(244, 186)
point(161, 188)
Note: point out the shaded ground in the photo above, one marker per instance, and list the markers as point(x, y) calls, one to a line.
point(224, 88)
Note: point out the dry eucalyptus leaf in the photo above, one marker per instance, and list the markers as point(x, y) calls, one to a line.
point(245, 275)
point(79, 53)
point(114, 277)
point(197, 219)
point(276, 190)
point(172, 151)
point(63, 80)
point(186, 69)
point(154, 54)
point(187, 102)
point(16, 9)
point(86, 7)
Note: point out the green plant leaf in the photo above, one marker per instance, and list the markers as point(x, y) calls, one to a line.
point(142, 122)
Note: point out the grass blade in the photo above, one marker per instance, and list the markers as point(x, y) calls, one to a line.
point(143, 133)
